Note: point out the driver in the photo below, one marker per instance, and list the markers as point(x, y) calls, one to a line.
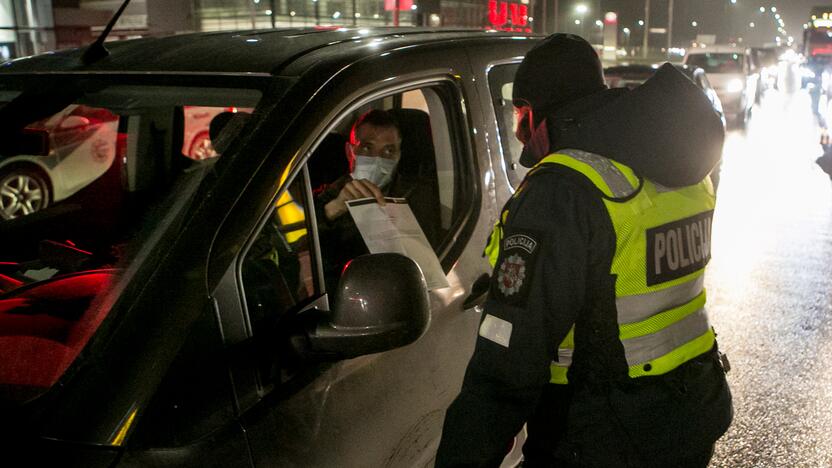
point(373, 152)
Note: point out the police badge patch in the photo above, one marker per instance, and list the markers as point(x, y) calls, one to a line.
point(512, 274)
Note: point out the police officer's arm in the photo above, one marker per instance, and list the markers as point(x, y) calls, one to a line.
point(537, 289)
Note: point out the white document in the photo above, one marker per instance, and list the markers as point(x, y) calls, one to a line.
point(393, 228)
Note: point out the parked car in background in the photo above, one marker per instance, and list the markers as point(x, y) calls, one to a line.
point(78, 145)
point(732, 74)
point(174, 310)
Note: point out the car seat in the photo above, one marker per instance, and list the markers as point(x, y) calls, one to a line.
point(328, 162)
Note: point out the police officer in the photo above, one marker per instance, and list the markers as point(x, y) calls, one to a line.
point(594, 333)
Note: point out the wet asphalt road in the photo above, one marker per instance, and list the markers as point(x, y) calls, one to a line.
point(770, 289)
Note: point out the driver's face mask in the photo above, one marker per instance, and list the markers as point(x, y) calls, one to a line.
point(376, 169)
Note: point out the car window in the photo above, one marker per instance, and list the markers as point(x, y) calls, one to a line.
point(718, 62)
point(425, 171)
point(279, 272)
point(86, 192)
point(199, 124)
point(500, 82)
point(277, 269)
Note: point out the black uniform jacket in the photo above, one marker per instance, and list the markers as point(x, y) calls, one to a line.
point(554, 272)
point(574, 243)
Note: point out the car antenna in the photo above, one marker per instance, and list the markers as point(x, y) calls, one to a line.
point(96, 51)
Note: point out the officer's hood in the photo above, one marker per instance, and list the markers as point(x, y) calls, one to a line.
point(666, 130)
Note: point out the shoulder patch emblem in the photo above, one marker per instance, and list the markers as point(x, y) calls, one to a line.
point(514, 271)
point(511, 275)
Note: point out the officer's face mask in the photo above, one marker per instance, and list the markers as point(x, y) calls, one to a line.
point(376, 169)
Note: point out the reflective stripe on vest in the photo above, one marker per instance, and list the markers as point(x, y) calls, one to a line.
point(662, 321)
point(614, 179)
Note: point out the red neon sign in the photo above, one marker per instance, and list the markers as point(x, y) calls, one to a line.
point(404, 5)
point(498, 16)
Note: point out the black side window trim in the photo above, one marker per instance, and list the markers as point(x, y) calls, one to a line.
point(314, 250)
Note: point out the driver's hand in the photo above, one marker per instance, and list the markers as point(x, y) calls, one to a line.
point(352, 190)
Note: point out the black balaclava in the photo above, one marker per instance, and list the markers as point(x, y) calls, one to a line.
point(556, 72)
point(561, 69)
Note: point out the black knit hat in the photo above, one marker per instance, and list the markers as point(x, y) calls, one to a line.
point(561, 69)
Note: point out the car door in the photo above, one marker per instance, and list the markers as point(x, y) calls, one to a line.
point(494, 69)
point(84, 144)
point(384, 409)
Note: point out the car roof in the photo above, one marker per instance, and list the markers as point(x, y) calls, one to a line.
point(239, 52)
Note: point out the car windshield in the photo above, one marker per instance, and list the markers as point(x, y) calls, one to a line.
point(87, 179)
point(717, 62)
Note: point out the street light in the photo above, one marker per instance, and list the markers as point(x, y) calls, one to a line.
point(581, 9)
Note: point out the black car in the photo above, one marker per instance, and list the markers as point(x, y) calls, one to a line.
point(176, 311)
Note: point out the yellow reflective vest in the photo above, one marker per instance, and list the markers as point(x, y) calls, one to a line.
point(662, 246)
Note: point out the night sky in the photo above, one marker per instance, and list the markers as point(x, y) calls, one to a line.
point(728, 21)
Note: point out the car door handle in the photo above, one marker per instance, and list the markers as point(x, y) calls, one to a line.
point(479, 292)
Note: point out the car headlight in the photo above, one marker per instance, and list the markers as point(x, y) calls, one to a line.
point(734, 86)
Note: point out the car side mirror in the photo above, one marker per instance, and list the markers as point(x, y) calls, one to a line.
point(381, 304)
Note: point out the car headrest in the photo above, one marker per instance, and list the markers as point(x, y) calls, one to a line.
point(418, 157)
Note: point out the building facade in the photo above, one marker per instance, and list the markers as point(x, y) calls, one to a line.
point(34, 26)
point(26, 28)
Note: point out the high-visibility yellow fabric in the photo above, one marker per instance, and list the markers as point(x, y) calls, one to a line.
point(289, 212)
point(558, 369)
point(635, 206)
point(653, 206)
